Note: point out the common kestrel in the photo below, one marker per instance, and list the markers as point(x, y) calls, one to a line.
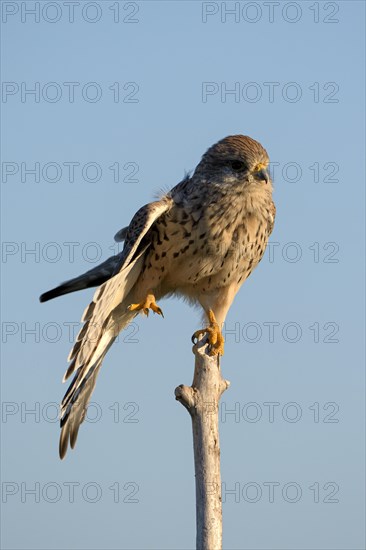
point(201, 240)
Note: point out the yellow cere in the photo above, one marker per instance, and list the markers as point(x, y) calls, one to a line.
point(259, 167)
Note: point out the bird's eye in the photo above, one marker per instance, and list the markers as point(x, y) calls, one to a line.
point(237, 165)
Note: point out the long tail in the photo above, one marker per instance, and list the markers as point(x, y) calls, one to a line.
point(104, 318)
point(94, 277)
point(75, 402)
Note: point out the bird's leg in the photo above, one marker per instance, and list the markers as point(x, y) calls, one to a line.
point(146, 305)
point(215, 337)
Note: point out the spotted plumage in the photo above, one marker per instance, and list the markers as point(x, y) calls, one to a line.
point(201, 240)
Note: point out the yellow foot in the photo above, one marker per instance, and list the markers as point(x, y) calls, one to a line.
point(145, 306)
point(215, 337)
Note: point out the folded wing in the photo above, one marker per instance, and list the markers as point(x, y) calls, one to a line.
point(103, 319)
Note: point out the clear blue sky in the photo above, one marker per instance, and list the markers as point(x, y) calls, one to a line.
point(144, 88)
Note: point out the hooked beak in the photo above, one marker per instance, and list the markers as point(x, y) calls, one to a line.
point(262, 175)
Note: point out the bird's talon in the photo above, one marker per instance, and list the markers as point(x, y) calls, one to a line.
point(195, 336)
point(146, 305)
point(215, 337)
point(157, 309)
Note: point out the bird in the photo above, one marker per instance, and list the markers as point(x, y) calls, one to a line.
point(201, 240)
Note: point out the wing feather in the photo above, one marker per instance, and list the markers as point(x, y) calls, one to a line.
point(140, 225)
point(100, 329)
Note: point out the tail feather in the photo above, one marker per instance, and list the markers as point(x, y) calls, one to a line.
point(94, 277)
point(70, 423)
point(75, 402)
point(104, 318)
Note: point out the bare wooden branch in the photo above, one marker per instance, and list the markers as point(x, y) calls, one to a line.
point(202, 402)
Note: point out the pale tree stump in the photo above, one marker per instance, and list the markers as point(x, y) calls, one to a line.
point(202, 402)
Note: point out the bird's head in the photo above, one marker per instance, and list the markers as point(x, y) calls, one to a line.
point(235, 159)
